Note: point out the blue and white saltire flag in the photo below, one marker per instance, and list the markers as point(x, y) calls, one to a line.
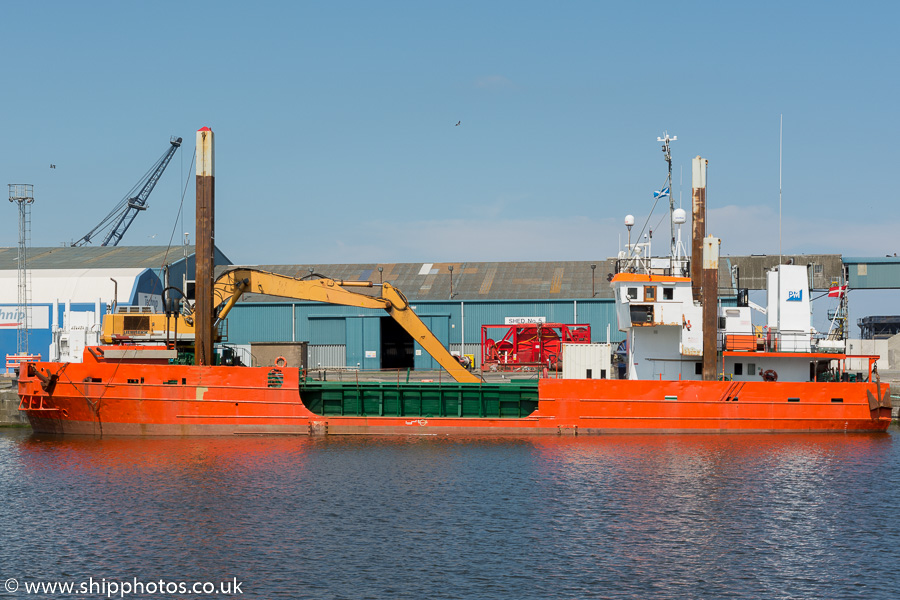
point(661, 193)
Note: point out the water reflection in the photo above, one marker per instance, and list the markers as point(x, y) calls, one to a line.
point(536, 517)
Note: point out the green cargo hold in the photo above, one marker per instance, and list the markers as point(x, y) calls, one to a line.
point(379, 399)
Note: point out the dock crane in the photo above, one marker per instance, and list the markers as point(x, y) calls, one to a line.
point(119, 219)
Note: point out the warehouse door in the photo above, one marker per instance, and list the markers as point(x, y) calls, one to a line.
point(396, 346)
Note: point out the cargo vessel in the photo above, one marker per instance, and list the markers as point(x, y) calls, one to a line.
point(692, 365)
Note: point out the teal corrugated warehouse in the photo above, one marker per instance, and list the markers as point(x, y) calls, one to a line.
point(873, 273)
point(341, 336)
point(453, 299)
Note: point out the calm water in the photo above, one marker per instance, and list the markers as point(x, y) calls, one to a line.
point(706, 516)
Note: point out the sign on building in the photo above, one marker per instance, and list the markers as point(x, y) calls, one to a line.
point(524, 320)
point(38, 317)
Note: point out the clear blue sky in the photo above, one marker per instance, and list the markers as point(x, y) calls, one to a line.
point(335, 136)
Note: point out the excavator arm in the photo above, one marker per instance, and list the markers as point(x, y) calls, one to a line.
point(231, 285)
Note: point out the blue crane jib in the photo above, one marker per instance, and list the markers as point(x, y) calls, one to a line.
point(120, 218)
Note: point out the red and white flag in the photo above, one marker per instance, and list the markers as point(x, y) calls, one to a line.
point(837, 291)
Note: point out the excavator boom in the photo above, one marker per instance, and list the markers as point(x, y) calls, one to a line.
point(231, 285)
point(407, 318)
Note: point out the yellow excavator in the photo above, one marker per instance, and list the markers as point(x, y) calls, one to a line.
point(128, 325)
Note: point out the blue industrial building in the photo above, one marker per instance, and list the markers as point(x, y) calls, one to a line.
point(90, 280)
point(455, 300)
point(69, 298)
point(346, 336)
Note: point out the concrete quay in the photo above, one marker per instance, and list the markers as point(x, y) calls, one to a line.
point(9, 404)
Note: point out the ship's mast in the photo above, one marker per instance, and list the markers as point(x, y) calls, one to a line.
point(667, 154)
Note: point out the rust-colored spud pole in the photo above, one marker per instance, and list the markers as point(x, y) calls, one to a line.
point(698, 223)
point(710, 306)
point(203, 258)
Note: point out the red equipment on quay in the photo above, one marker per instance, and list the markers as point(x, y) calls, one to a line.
point(529, 345)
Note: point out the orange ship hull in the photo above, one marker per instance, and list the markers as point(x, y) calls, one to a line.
point(98, 398)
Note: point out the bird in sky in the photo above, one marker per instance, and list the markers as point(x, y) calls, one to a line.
point(54, 166)
point(457, 123)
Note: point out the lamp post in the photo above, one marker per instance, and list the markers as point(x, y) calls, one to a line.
point(450, 268)
point(593, 289)
point(380, 275)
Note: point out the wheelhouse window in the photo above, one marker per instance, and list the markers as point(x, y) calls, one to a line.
point(631, 293)
point(668, 293)
point(641, 314)
point(649, 293)
point(738, 368)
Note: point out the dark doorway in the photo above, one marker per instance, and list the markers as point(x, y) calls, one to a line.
point(396, 346)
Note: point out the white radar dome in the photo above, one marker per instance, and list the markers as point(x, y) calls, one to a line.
point(629, 220)
point(679, 216)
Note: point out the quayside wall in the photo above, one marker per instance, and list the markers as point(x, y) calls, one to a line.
point(9, 404)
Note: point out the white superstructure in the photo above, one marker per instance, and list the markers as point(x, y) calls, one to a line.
point(664, 330)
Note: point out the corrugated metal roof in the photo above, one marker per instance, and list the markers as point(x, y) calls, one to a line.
point(855, 260)
point(428, 281)
point(522, 280)
point(471, 280)
point(95, 257)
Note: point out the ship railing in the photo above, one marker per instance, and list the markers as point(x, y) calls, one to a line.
point(767, 340)
point(14, 360)
point(656, 266)
point(240, 353)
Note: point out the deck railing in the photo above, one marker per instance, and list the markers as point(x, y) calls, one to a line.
point(14, 360)
point(773, 340)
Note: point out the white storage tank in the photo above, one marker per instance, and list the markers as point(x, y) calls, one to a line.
point(587, 361)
